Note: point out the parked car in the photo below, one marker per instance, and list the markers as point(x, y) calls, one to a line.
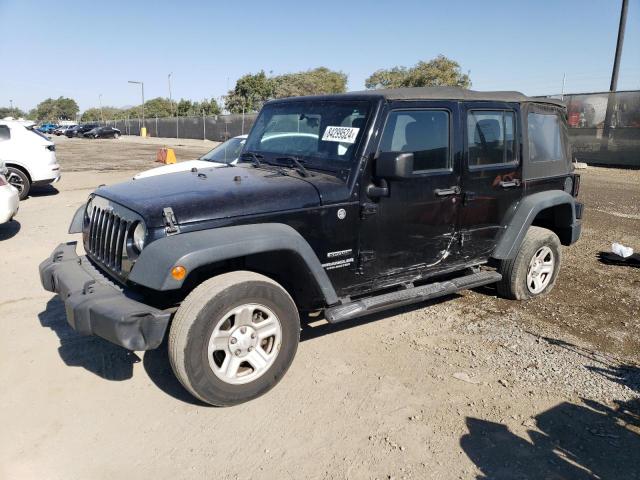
point(47, 128)
point(29, 156)
point(80, 130)
point(102, 132)
point(403, 195)
point(226, 153)
point(62, 129)
point(9, 197)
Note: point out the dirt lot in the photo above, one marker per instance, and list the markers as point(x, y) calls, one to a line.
point(467, 387)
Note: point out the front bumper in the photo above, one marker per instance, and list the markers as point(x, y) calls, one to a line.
point(95, 306)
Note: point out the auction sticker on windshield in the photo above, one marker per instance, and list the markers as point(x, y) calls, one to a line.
point(340, 134)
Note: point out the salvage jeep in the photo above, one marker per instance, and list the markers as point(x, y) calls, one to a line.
point(343, 204)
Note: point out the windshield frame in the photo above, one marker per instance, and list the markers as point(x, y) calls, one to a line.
point(311, 161)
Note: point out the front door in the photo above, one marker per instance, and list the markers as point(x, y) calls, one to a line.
point(413, 229)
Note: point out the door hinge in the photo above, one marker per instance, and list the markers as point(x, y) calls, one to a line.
point(170, 224)
point(368, 209)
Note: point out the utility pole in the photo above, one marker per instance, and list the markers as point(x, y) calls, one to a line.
point(614, 77)
point(170, 99)
point(564, 79)
point(101, 115)
point(10, 104)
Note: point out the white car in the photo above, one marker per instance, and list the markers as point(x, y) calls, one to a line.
point(29, 156)
point(9, 198)
point(224, 154)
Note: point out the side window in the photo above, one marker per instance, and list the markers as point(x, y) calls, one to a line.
point(491, 138)
point(545, 143)
point(425, 133)
point(5, 133)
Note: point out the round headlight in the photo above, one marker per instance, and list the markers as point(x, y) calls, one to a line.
point(138, 236)
point(89, 208)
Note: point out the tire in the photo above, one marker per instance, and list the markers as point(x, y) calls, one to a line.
point(207, 312)
point(20, 180)
point(527, 276)
point(116, 136)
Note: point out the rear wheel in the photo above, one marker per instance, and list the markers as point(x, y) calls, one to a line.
point(534, 269)
point(233, 338)
point(19, 180)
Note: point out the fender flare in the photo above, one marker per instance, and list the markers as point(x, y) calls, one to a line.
point(78, 219)
point(525, 212)
point(195, 249)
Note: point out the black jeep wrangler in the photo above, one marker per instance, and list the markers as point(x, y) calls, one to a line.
point(347, 204)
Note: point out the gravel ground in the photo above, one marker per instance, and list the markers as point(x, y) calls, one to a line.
point(469, 386)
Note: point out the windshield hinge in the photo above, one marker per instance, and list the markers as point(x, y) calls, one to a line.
point(170, 224)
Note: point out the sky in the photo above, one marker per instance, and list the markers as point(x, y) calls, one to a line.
point(87, 49)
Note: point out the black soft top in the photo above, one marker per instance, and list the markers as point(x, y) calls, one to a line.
point(433, 93)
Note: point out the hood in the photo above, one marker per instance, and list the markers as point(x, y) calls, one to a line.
point(178, 167)
point(212, 193)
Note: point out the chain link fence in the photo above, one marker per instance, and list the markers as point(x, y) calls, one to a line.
point(594, 142)
point(217, 128)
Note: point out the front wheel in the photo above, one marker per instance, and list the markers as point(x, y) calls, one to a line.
point(233, 338)
point(116, 136)
point(534, 270)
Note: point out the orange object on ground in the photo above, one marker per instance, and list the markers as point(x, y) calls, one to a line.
point(166, 156)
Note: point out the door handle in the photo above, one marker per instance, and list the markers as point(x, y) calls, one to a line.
point(510, 183)
point(443, 192)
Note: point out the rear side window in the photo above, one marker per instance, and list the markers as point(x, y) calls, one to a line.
point(5, 133)
point(425, 133)
point(545, 141)
point(490, 137)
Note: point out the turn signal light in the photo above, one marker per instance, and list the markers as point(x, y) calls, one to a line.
point(179, 272)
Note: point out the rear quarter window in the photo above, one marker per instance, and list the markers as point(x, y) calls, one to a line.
point(5, 133)
point(545, 140)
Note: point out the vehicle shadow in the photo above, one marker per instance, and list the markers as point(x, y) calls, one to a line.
point(156, 364)
point(94, 354)
point(9, 230)
point(584, 440)
point(43, 191)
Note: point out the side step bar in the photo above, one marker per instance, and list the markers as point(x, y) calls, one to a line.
point(366, 306)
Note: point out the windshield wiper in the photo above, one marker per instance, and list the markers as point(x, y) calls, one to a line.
point(298, 163)
point(255, 157)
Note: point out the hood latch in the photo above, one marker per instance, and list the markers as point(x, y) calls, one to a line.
point(170, 224)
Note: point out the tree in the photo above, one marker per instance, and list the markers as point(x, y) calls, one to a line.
point(318, 81)
point(59, 109)
point(441, 71)
point(11, 112)
point(250, 93)
point(253, 90)
point(158, 107)
point(210, 107)
point(107, 113)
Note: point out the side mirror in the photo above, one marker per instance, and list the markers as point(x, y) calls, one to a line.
point(394, 165)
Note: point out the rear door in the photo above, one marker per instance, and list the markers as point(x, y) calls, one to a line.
point(413, 228)
point(492, 173)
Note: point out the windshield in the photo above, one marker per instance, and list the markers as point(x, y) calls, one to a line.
point(325, 134)
point(226, 152)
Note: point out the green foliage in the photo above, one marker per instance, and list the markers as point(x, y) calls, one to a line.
point(52, 110)
point(253, 90)
point(11, 112)
point(250, 93)
point(108, 113)
point(441, 71)
point(312, 82)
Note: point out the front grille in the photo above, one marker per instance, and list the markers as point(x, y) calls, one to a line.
point(108, 238)
point(107, 234)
